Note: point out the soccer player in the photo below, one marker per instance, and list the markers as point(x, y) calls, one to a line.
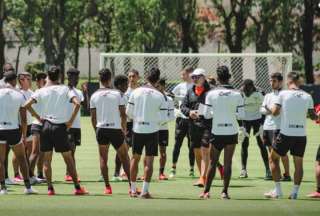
point(164, 130)
point(293, 105)
point(252, 120)
point(36, 157)
point(12, 109)
point(108, 118)
point(147, 107)
point(271, 126)
point(224, 104)
point(74, 133)
point(182, 123)
point(54, 101)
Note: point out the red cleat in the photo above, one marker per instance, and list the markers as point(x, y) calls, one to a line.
point(221, 171)
point(108, 190)
point(81, 191)
point(314, 195)
point(163, 177)
point(204, 195)
point(51, 192)
point(68, 178)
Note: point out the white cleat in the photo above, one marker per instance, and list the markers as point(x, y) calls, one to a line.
point(3, 192)
point(35, 180)
point(273, 195)
point(30, 191)
point(293, 196)
point(8, 181)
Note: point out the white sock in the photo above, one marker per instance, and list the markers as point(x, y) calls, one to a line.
point(145, 187)
point(295, 189)
point(278, 188)
point(133, 187)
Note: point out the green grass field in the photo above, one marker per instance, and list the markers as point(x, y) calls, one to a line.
point(173, 197)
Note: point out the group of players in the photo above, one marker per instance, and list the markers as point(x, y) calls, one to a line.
point(211, 114)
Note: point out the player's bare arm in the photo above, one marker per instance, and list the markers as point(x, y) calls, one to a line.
point(93, 113)
point(75, 111)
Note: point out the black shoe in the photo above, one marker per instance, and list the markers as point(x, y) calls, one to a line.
point(268, 176)
point(286, 178)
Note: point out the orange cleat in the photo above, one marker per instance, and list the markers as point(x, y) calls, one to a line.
point(163, 177)
point(315, 194)
point(108, 190)
point(81, 191)
point(201, 182)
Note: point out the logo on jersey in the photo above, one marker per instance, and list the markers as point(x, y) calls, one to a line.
point(226, 94)
point(298, 94)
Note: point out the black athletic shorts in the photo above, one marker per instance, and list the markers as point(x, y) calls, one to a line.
point(105, 136)
point(270, 137)
point(74, 137)
point(163, 137)
point(296, 145)
point(129, 133)
point(150, 141)
point(220, 141)
point(36, 129)
point(318, 154)
point(54, 136)
point(199, 137)
point(10, 137)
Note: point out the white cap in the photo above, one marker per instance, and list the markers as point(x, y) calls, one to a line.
point(198, 72)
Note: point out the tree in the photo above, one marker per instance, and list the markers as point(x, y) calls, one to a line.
point(2, 37)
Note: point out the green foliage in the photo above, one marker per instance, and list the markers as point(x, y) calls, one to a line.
point(35, 67)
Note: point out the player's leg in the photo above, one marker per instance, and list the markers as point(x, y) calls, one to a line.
point(123, 155)
point(190, 156)
point(72, 144)
point(316, 194)
point(228, 155)
point(244, 149)
point(285, 162)
point(116, 175)
point(47, 169)
point(205, 153)
point(137, 147)
point(3, 153)
point(34, 153)
point(40, 166)
point(103, 158)
point(16, 170)
point(163, 143)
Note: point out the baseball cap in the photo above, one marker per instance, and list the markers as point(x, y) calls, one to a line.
point(198, 72)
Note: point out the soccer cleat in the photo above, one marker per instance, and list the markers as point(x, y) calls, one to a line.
point(286, 178)
point(172, 173)
point(30, 191)
point(163, 177)
point(133, 194)
point(268, 176)
point(293, 196)
point(8, 181)
point(108, 190)
point(18, 179)
point(116, 179)
point(51, 192)
point(200, 182)
point(191, 173)
point(221, 171)
point(81, 191)
point(34, 180)
point(272, 195)
point(3, 192)
point(146, 196)
point(225, 196)
point(101, 179)
point(315, 194)
point(124, 177)
point(68, 178)
point(204, 195)
point(243, 174)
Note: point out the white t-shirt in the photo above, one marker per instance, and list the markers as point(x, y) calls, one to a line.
point(27, 95)
point(271, 122)
point(106, 102)
point(294, 108)
point(2, 83)
point(79, 95)
point(224, 105)
point(169, 115)
point(252, 106)
point(54, 102)
point(126, 98)
point(146, 107)
point(11, 101)
point(180, 91)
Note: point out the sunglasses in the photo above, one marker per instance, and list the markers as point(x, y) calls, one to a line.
point(196, 77)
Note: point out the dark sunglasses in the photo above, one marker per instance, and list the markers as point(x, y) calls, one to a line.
point(196, 77)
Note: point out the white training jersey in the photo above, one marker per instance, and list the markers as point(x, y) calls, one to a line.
point(10, 102)
point(2, 83)
point(147, 107)
point(79, 95)
point(294, 108)
point(37, 108)
point(106, 102)
point(54, 101)
point(180, 91)
point(126, 98)
point(252, 106)
point(224, 105)
point(169, 115)
point(27, 95)
point(271, 122)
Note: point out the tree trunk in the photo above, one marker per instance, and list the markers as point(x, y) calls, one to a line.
point(49, 48)
point(2, 38)
point(18, 58)
point(307, 30)
point(77, 46)
point(89, 59)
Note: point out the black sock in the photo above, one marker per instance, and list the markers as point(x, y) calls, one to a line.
point(3, 185)
point(50, 187)
point(161, 170)
point(27, 183)
point(191, 169)
point(107, 185)
point(318, 190)
point(77, 186)
point(225, 191)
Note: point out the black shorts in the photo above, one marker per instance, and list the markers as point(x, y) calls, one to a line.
point(129, 133)
point(199, 137)
point(220, 141)
point(10, 137)
point(163, 137)
point(105, 136)
point(74, 137)
point(36, 129)
point(54, 136)
point(29, 131)
point(296, 145)
point(318, 154)
point(149, 141)
point(270, 137)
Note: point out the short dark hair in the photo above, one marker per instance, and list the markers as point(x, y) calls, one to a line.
point(188, 69)
point(134, 71)
point(73, 71)
point(223, 73)
point(9, 76)
point(248, 83)
point(120, 80)
point(54, 73)
point(293, 76)
point(153, 75)
point(162, 82)
point(41, 76)
point(277, 75)
point(105, 75)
